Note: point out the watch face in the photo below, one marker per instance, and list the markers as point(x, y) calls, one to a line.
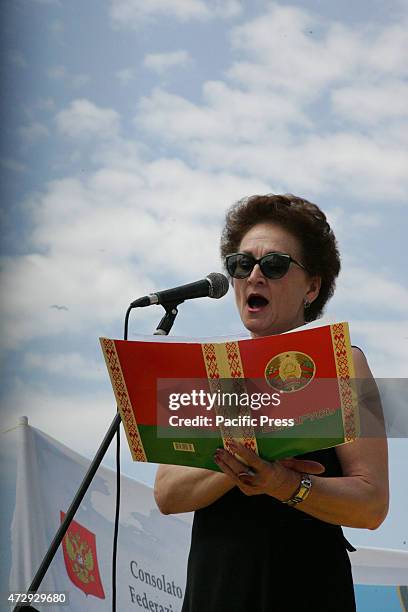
point(308, 482)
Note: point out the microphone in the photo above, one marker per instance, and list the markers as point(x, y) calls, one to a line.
point(215, 285)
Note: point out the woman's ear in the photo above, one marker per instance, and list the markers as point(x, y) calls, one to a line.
point(314, 288)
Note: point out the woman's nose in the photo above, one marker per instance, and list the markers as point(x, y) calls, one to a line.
point(256, 275)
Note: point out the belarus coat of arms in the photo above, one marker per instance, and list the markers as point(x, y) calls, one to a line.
point(290, 371)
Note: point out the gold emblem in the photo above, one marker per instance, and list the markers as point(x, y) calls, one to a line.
point(81, 556)
point(290, 371)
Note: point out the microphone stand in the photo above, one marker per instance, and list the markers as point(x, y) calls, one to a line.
point(162, 329)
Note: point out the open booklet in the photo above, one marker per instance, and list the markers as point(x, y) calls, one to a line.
point(283, 395)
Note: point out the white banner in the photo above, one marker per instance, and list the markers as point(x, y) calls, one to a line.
point(152, 548)
point(380, 566)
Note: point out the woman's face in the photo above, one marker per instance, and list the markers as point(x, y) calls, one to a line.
point(283, 306)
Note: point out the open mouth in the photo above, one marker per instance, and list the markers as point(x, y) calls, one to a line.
point(256, 302)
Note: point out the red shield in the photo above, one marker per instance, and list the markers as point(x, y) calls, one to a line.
point(79, 546)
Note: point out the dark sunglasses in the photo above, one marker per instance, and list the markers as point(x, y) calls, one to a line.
point(273, 265)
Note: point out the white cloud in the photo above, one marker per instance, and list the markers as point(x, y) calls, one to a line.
point(225, 8)
point(265, 119)
point(78, 419)
point(100, 242)
point(364, 220)
point(125, 76)
point(294, 51)
point(83, 119)
point(365, 167)
point(63, 279)
point(120, 220)
point(388, 50)
point(374, 291)
point(75, 81)
point(161, 62)
point(69, 365)
point(301, 53)
point(352, 224)
point(132, 13)
point(141, 220)
point(372, 103)
point(250, 133)
point(385, 344)
point(229, 115)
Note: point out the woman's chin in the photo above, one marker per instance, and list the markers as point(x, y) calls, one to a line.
point(267, 328)
point(259, 328)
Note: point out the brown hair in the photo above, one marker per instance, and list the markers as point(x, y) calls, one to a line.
point(305, 221)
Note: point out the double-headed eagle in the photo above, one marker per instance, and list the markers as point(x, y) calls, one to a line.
point(81, 556)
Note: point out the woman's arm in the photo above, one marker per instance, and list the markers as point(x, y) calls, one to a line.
point(357, 499)
point(182, 489)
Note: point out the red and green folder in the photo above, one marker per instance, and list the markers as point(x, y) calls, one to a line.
point(312, 370)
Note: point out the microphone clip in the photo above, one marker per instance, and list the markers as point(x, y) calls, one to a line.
point(167, 321)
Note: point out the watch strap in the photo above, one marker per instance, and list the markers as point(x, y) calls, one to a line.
point(302, 492)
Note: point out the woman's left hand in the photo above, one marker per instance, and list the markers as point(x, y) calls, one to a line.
point(255, 476)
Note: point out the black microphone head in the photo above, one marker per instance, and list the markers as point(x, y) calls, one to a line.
point(219, 285)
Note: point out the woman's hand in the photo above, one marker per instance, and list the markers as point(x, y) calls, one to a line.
point(255, 476)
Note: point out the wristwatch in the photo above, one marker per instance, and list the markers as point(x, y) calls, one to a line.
point(302, 492)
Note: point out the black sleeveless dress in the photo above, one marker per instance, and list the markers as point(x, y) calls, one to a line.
point(255, 554)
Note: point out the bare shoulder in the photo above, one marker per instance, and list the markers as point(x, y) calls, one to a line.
point(361, 367)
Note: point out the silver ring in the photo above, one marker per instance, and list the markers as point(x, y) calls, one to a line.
point(245, 474)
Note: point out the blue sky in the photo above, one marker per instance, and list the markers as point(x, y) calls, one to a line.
point(130, 127)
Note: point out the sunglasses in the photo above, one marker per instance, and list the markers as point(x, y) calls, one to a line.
point(273, 265)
